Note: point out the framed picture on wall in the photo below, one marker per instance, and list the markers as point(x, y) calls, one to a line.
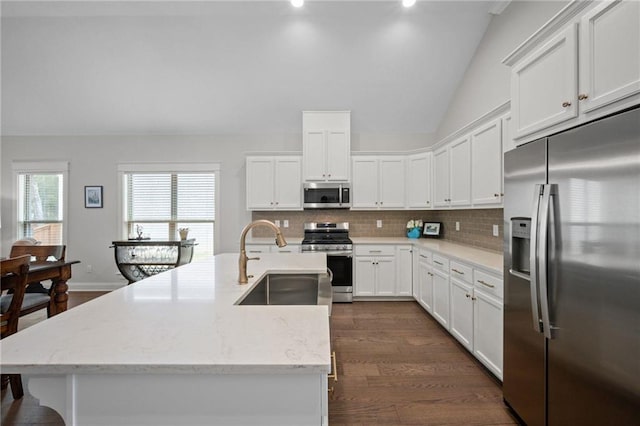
point(93, 197)
point(432, 229)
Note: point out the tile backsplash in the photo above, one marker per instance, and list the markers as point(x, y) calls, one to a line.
point(476, 226)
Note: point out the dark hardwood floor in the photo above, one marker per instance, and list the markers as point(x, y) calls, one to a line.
point(396, 366)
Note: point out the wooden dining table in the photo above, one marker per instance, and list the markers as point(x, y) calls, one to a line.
point(59, 272)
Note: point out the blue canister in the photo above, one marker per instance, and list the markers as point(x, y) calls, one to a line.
point(413, 233)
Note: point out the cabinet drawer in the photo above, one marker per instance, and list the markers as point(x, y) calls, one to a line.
point(380, 250)
point(441, 263)
point(425, 256)
point(461, 272)
point(488, 283)
point(289, 248)
point(256, 248)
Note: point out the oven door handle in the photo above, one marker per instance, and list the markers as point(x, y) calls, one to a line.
point(330, 275)
point(348, 254)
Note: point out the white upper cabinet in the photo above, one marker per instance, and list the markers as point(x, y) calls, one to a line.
point(609, 54)
point(419, 181)
point(274, 183)
point(441, 177)
point(543, 85)
point(460, 173)
point(581, 65)
point(486, 164)
point(326, 146)
point(378, 182)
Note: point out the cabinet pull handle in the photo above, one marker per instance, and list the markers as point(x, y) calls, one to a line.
point(582, 96)
point(474, 298)
point(459, 272)
point(496, 195)
point(502, 194)
point(423, 256)
point(429, 273)
point(375, 251)
point(486, 283)
point(566, 104)
point(441, 264)
point(334, 372)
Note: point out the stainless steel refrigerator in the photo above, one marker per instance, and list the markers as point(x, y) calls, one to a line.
point(572, 276)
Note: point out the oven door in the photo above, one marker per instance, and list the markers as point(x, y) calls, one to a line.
point(341, 266)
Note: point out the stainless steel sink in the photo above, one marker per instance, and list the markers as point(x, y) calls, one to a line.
point(291, 289)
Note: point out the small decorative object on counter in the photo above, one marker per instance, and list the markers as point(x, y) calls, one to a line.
point(183, 233)
point(414, 228)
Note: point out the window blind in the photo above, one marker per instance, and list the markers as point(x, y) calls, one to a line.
point(40, 206)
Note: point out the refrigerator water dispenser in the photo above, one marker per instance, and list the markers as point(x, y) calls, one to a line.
point(520, 243)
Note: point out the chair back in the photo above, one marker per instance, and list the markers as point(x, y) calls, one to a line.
point(39, 253)
point(14, 278)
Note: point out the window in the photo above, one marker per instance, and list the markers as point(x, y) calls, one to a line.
point(41, 201)
point(160, 202)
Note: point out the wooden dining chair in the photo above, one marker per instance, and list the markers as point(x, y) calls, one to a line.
point(14, 279)
point(34, 301)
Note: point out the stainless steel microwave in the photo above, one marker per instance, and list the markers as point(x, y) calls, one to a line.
point(326, 196)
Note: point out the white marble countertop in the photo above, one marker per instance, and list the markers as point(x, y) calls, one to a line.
point(181, 321)
point(487, 259)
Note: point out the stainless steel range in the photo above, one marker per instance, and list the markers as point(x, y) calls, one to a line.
point(333, 239)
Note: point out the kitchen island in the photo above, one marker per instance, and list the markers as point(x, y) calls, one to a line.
point(177, 349)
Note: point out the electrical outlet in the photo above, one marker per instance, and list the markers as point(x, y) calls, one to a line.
point(457, 226)
point(89, 269)
point(285, 223)
point(379, 223)
point(496, 231)
point(277, 223)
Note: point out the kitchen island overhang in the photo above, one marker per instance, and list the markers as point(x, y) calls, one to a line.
point(176, 348)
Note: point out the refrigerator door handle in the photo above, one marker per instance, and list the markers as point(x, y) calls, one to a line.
point(533, 259)
point(548, 192)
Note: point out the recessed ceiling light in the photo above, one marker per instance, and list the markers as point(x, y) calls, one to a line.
point(408, 3)
point(298, 3)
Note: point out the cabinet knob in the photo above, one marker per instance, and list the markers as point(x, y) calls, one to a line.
point(474, 298)
point(502, 194)
point(271, 203)
point(467, 296)
point(566, 104)
point(329, 175)
point(380, 202)
point(428, 201)
point(277, 203)
point(582, 96)
point(496, 195)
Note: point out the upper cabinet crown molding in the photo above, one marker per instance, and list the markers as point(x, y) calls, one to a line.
point(560, 19)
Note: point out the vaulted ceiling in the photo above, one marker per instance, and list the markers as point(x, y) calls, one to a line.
point(212, 67)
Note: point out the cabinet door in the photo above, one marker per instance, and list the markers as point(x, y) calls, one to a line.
point(486, 164)
point(365, 277)
point(404, 279)
point(314, 155)
point(460, 173)
point(426, 286)
point(260, 178)
point(609, 54)
point(507, 137)
point(462, 313)
point(441, 298)
point(385, 276)
point(391, 182)
point(487, 331)
point(543, 85)
point(441, 177)
point(419, 181)
point(365, 183)
point(287, 185)
point(338, 152)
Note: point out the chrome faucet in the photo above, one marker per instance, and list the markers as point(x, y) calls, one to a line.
point(242, 262)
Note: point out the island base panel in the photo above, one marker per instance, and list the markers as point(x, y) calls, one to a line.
point(185, 399)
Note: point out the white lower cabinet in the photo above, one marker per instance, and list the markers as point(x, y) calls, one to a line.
point(467, 301)
point(462, 312)
point(404, 278)
point(383, 270)
point(425, 281)
point(441, 290)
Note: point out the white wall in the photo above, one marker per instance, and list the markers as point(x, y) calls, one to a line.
point(486, 83)
point(93, 161)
